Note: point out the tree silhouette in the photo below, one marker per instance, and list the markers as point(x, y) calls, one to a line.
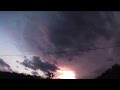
point(112, 73)
point(49, 75)
point(13, 75)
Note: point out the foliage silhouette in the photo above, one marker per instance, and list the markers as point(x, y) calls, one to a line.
point(49, 75)
point(13, 75)
point(112, 73)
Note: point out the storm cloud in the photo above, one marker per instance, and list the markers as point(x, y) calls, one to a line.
point(36, 63)
point(2, 63)
point(4, 66)
point(65, 38)
point(79, 30)
point(63, 35)
point(64, 31)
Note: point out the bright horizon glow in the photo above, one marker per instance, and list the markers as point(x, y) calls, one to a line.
point(66, 74)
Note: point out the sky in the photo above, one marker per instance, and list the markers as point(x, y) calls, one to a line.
point(35, 42)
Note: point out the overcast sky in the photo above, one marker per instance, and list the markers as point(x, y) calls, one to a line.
point(56, 37)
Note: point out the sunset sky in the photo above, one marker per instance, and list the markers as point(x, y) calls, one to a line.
point(71, 44)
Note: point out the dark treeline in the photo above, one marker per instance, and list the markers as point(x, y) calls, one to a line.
point(13, 75)
point(112, 73)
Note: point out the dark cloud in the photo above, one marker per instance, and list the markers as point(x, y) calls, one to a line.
point(36, 63)
point(4, 66)
point(62, 34)
point(78, 30)
point(29, 64)
point(110, 60)
point(62, 31)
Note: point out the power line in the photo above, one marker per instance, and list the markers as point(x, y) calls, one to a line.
point(85, 50)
